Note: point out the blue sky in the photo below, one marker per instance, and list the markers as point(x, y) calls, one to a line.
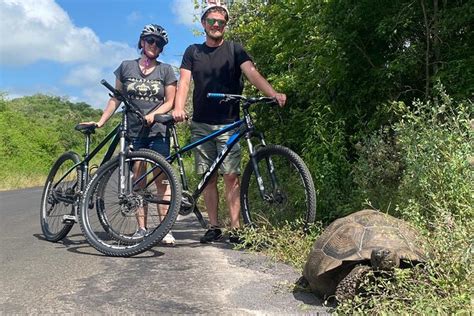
point(64, 47)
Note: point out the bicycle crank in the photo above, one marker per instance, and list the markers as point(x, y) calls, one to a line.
point(187, 204)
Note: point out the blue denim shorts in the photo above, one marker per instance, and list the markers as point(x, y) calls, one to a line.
point(157, 143)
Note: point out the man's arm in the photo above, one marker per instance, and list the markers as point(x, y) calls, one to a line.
point(179, 112)
point(255, 78)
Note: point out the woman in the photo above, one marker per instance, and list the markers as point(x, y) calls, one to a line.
point(151, 87)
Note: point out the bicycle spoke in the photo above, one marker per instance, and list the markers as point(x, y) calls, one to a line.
point(113, 219)
point(59, 197)
point(288, 195)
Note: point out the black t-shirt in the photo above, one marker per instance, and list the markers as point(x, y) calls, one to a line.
point(215, 69)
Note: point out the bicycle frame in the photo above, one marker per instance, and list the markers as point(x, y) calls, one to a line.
point(88, 156)
point(220, 158)
point(119, 135)
point(245, 129)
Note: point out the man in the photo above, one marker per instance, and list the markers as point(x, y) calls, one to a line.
point(217, 66)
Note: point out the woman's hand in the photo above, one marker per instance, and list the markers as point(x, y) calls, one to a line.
point(91, 123)
point(150, 119)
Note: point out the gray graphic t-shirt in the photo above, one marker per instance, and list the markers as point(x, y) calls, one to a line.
point(147, 93)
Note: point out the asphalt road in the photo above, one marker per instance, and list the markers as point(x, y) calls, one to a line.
point(39, 277)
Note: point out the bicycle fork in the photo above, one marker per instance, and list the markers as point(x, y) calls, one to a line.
point(270, 169)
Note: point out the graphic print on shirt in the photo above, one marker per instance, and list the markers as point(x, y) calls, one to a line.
point(143, 89)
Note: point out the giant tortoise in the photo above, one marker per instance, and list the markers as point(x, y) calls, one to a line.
point(351, 246)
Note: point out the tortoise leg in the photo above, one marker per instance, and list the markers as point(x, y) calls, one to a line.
point(347, 288)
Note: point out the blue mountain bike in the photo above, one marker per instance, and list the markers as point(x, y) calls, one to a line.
point(276, 185)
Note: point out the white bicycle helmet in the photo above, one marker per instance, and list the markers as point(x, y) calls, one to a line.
point(214, 4)
point(155, 30)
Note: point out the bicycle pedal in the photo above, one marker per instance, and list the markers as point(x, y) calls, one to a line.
point(183, 211)
point(187, 204)
point(69, 219)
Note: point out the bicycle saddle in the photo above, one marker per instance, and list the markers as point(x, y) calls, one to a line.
point(86, 129)
point(164, 118)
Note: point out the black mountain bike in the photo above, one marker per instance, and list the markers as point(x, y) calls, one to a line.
point(118, 193)
point(276, 185)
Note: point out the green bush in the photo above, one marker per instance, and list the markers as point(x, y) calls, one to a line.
point(287, 244)
point(35, 131)
point(25, 148)
point(419, 169)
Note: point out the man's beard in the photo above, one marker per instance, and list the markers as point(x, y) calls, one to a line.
point(215, 37)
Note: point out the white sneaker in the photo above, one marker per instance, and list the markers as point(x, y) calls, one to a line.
point(140, 233)
point(168, 239)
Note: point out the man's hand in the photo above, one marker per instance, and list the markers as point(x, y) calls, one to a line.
point(179, 115)
point(281, 99)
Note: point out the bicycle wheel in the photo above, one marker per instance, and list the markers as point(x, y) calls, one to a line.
point(109, 220)
point(288, 190)
point(60, 197)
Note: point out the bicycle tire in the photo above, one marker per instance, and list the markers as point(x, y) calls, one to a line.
point(113, 233)
point(109, 223)
point(295, 200)
point(102, 212)
point(53, 210)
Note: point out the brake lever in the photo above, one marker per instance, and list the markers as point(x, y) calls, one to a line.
point(272, 101)
point(226, 99)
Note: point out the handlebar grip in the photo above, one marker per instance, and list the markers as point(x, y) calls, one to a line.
point(107, 85)
point(216, 95)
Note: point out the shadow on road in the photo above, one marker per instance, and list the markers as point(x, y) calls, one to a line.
point(67, 241)
point(81, 246)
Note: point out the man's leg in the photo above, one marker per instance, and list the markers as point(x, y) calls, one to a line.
point(232, 194)
point(211, 200)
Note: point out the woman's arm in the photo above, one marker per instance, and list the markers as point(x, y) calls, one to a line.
point(110, 108)
point(170, 93)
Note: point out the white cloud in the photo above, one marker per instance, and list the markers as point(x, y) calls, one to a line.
point(83, 74)
point(35, 30)
point(96, 95)
point(40, 30)
point(87, 77)
point(133, 17)
point(16, 92)
point(185, 12)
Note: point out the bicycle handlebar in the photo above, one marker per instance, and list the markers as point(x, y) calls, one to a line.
point(108, 86)
point(246, 100)
point(117, 94)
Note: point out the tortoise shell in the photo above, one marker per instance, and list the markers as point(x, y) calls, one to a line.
point(350, 240)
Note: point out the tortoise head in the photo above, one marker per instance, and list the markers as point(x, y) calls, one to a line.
point(384, 259)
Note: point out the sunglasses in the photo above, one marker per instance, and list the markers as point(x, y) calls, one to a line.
point(211, 22)
point(153, 40)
